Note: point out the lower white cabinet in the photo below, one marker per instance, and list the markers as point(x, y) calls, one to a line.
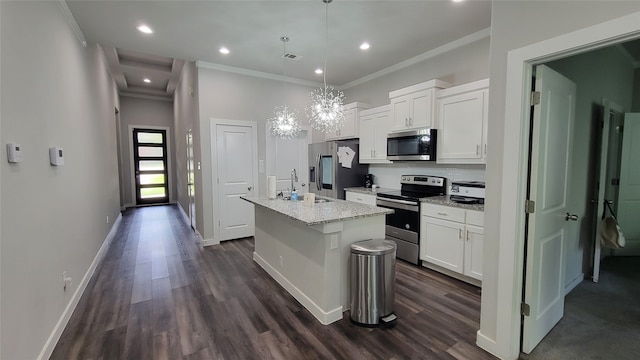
point(452, 238)
point(360, 198)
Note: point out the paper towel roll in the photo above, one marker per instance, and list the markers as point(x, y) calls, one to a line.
point(271, 187)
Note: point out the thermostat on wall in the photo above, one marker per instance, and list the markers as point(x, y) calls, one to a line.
point(56, 156)
point(14, 153)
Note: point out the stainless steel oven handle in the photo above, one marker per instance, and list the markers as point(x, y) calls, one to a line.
point(398, 204)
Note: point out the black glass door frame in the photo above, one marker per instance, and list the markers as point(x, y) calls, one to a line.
point(150, 165)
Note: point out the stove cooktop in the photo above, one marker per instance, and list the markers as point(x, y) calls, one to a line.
point(415, 187)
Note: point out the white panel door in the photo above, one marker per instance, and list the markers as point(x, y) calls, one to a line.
point(291, 154)
point(235, 163)
point(629, 196)
point(550, 153)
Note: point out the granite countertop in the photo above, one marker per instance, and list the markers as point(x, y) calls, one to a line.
point(364, 190)
point(444, 200)
point(321, 213)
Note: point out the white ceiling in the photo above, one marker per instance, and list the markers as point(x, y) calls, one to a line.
point(194, 30)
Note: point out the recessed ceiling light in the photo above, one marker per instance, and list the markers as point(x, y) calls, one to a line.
point(319, 71)
point(364, 46)
point(457, 0)
point(148, 81)
point(224, 50)
point(145, 29)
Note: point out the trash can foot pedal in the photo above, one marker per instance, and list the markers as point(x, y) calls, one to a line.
point(388, 321)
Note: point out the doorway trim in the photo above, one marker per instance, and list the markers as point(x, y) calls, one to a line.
point(520, 62)
point(132, 170)
point(214, 168)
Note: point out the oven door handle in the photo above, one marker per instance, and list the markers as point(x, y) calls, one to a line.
point(398, 204)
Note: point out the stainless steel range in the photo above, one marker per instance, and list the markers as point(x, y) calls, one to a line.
point(403, 226)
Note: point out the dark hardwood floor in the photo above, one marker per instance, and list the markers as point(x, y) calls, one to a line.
point(158, 294)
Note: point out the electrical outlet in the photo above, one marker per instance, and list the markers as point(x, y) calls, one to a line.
point(281, 262)
point(66, 279)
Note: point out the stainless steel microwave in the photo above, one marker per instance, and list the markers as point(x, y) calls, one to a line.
point(412, 145)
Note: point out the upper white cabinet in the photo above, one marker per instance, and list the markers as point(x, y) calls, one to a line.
point(350, 125)
point(462, 118)
point(375, 124)
point(414, 106)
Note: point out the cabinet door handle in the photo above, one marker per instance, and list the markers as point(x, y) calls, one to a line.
point(478, 149)
point(468, 235)
point(485, 149)
point(459, 233)
point(442, 214)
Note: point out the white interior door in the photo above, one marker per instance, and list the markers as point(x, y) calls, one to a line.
point(190, 180)
point(629, 196)
point(547, 231)
point(286, 154)
point(236, 164)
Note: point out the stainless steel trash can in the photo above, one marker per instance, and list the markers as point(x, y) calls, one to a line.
point(373, 272)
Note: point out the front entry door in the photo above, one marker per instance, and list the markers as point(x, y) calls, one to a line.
point(150, 166)
point(235, 160)
point(551, 145)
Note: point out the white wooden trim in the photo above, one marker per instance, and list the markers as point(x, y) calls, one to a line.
point(62, 4)
point(254, 73)
point(324, 317)
point(572, 285)
point(469, 39)
point(214, 169)
point(146, 96)
point(520, 63)
point(132, 162)
point(50, 345)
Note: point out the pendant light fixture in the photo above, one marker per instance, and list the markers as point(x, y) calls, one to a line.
point(325, 110)
point(284, 123)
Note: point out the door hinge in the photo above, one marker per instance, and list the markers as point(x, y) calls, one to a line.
point(529, 206)
point(535, 98)
point(525, 309)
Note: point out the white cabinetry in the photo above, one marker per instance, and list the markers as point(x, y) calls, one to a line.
point(360, 198)
point(375, 124)
point(415, 106)
point(452, 239)
point(350, 126)
point(462, 118)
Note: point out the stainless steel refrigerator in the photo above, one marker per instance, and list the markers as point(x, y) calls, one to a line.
point(334, 166)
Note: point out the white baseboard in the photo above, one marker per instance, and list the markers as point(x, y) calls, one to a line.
point(486, 344)
point(47, 350)
point(324, 317)
point(209, 242)
point(572, 285)
point(184, 214)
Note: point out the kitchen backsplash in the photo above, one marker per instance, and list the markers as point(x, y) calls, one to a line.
point(388, 175)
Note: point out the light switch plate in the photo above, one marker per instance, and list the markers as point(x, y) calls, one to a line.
point(14, 153)
point(56, 156)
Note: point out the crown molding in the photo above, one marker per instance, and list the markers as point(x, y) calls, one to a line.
point(482, 34)
point(260, 74)
point(62, 4)
point(147, 97)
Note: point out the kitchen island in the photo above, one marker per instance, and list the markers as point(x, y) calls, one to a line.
point(306, 249)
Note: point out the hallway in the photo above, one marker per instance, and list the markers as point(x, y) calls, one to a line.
point(159, 295)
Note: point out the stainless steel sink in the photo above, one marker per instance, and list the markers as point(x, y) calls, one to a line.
point(318, 201)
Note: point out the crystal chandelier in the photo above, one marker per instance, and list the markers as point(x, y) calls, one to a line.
point(325, 110)
point(284, 122)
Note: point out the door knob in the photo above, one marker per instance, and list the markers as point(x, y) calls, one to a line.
point(249, 188)
point(571, 217)
point(303, 184)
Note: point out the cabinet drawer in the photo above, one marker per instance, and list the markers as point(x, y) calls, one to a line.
point(475, 218)
point(443, 212)
point(360, 198)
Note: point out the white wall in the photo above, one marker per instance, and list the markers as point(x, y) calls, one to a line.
point(230, 96)
point(604, 73)
point(144, 112)
point(516, 24)
point(55, 92)
point(185, 110)
point(635, 107)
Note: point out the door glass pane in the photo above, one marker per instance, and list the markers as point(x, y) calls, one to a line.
point(154, 138)
point(148, 179)
point(149, 193)
point(151, 165)
point(150, 151)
